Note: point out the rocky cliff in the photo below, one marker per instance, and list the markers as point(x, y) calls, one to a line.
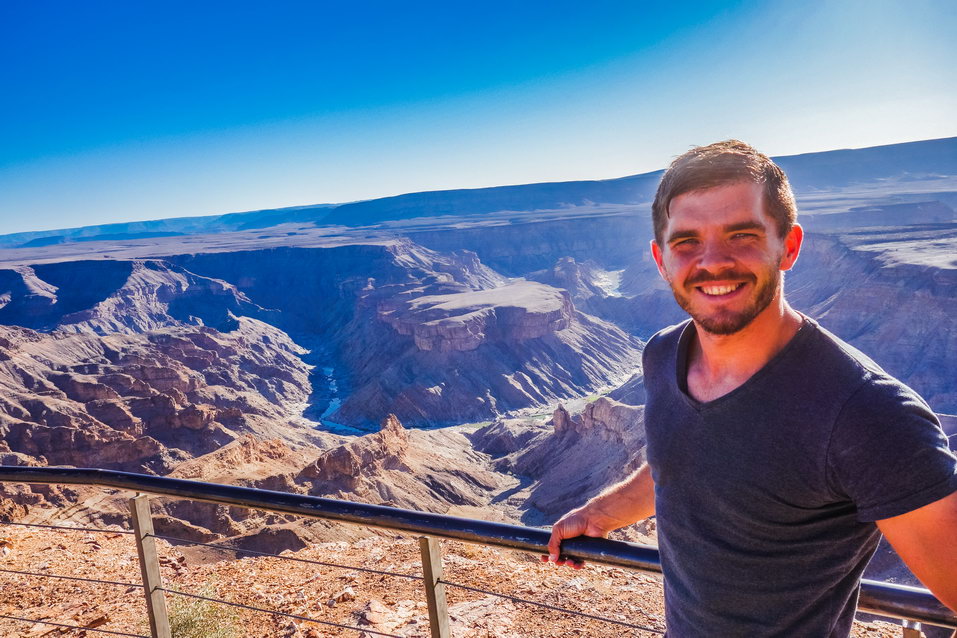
point(460, 322)
point(110, 297)
point(569, 459)
point(391, 326)
point(145, 402)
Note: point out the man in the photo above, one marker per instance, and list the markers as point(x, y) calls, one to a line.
point(777, 454)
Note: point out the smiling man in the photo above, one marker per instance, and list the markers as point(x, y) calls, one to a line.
point(777, 453)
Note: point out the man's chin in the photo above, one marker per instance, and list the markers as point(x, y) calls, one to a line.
point(723, 326)
point(724, 322)
point(721, 323)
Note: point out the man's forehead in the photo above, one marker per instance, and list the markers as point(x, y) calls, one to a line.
point(721, 204)
point(745, 190)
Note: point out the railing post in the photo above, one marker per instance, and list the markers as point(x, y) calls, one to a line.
point(434, 587)
point(149, 566)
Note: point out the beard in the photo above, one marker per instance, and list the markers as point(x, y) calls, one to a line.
point(726, 321)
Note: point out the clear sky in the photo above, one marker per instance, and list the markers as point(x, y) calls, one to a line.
point(121, 111)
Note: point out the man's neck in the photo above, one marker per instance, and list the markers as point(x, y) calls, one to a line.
point(717, 364)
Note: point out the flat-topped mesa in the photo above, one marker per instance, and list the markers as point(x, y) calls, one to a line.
point(463, 321)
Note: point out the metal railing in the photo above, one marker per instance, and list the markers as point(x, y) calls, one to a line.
point(913, 605)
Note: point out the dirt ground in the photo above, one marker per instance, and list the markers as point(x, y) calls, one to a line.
point(341, 600)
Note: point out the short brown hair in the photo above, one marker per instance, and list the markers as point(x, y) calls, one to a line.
point(722, 164)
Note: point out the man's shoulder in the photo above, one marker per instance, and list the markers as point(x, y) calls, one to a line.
point(868, 390)
point(841, 355)
point(661, 348)
point(886, 451)
point(666, 339)
point(830, 362)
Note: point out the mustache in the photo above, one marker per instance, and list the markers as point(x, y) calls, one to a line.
point(704, 277)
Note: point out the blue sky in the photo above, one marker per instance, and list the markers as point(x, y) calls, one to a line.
point(120, 111)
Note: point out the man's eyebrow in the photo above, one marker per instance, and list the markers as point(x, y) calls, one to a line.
point(730, 228)
point(681, 234)
point(749, 225)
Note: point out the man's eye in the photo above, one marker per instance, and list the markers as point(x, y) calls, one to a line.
point(686, 243)
point(744, 236)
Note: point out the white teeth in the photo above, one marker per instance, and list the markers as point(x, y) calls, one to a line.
point(719, 290)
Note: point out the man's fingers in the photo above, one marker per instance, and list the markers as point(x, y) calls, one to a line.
point(554, 543)
point(574, 563)
point(568, 527)
point(564, 560)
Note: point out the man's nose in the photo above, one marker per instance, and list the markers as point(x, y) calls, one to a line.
point(715, 256)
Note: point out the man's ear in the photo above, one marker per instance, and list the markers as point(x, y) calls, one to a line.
point(659, 260)
point(792, 247)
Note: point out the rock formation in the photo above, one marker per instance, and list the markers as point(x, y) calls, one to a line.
point(111, 297)
point(570, 461)
point(431, 469)
point(344, 467)
point(146, 402)
point(463, 321)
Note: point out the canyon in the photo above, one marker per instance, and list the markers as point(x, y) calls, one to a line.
point(476, 353)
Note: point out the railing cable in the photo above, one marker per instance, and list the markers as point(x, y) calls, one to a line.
point(279, 613)
point(226, 548)
point(70, 529)
point(56, 624)
point(85, 580)
point(563, 610)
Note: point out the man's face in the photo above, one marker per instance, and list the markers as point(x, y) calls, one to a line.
point(723, 256)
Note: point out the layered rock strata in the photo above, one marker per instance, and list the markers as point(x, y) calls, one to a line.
point(145, 402)
point(433, 338)
point(463, 321)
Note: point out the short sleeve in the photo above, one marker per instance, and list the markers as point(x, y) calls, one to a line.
point(888, 453)
point(646, 357)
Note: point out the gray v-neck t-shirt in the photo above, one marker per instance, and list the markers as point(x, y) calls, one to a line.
point(766, 497)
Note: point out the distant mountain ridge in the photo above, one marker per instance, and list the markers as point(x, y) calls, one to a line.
point(169, 227)
point(809, 172)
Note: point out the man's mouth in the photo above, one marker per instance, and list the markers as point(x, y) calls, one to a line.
point(719, 290)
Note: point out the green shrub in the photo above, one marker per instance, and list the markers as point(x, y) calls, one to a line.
point(195, 618)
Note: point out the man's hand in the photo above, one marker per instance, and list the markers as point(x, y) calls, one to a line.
point(576, 523)
point(621, 505)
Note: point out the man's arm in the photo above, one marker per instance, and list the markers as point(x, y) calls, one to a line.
point(926, 539)
point(621, 505)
